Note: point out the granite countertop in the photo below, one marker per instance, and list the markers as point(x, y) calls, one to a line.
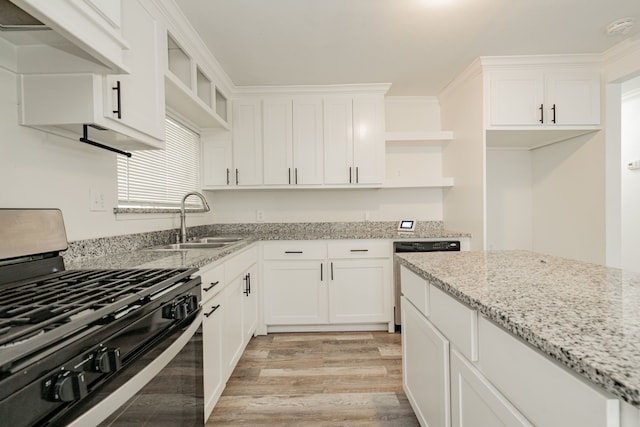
point(586, 316)
point(130, 251)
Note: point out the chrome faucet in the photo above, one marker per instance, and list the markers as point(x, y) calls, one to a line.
point(183, 214)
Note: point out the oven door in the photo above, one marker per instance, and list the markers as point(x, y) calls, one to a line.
point(161, 388)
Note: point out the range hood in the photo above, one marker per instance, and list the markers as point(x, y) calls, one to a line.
point(12, 18)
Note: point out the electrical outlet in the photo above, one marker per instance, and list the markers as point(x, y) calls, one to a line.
point(259, 215)
point(96, 201)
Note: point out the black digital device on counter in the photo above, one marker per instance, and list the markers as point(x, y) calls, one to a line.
point(407, 225)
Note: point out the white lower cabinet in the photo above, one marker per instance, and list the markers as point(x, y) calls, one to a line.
point(250, 303)
point(461, 369)
point(229, 318)
point(546, 393)
point(336, 283)
point(475, 402)
point(358, 291)
point(232, 333)
point(295, 292)
point(213, 375)
point(425, 368)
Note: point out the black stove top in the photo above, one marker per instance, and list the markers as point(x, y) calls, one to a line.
point(37, 312)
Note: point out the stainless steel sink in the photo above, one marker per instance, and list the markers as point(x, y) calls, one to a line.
point(220, 239)
point(212, 242)
point(190, 245)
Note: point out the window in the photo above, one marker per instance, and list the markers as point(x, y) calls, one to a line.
point(160, 178)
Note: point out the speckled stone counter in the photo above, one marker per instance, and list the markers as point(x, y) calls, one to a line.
point(585, 316)
point(128, 251)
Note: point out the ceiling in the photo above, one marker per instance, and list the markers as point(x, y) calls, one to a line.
point(418, 46)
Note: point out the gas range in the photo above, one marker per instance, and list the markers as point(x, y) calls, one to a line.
point(69, 335)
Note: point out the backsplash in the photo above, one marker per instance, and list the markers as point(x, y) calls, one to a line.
point(268, 231)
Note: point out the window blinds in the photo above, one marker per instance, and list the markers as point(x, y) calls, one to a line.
point(160, 178)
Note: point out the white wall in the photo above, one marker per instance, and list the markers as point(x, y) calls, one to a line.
point(464, 157)
point(326, 205)
point(569, 198)
point(40, 170)
point(630, 180)
point(509, 199)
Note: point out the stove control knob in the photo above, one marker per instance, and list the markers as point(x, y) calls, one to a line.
point(177, 310)
point(180, 311)
point(107, 360)
point(69, 386)
point(192, 303)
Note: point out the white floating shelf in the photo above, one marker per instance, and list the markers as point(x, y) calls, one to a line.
point(426, 136)
point(430, 183)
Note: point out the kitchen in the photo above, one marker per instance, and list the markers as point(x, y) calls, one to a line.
point(60, 172)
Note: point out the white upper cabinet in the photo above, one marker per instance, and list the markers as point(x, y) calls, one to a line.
point(92, 25)
point(217, 158)
point(544, 98)
point(354, 140)
point(368, 139)
point(338, 140)
point(292, 138)
point(247, 143)
point(277, 134)
point(138, 97)
point(307, 140)
point(573, 97)
point(123, 111)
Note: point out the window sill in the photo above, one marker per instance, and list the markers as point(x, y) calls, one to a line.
point(155, 210)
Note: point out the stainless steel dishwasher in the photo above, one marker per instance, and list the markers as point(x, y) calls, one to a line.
point(413, 246)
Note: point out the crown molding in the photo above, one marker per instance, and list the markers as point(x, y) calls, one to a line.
point(368, 88)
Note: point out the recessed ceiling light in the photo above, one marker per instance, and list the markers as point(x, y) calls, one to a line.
point(620, 26)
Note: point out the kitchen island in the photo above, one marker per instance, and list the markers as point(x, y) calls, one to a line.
point(584, 317)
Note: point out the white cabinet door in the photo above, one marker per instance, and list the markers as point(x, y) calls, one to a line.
point(425, 368)
point(573, 98)
point(516, 98)
point(475, 402)
point(217, 162)
point(359, 291)
point(544, 98)
point(368, 140)
point(277, 141)
point(295, 292)
point(213, 377)
point(338, 140)
point(292, 135)
point(247, 142)
point(545, 392)
point(137, 99)
point(250, 303)
point(232, 332)
point(307, 140)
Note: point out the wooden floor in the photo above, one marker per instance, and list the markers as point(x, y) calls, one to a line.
point(317, 379)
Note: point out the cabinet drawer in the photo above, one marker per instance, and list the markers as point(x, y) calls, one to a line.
point(360, 249)
point(212, 281)
point(415, 289)
point(546, 393)
point(294, 250)
point(240, 262)
point(456, 321)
